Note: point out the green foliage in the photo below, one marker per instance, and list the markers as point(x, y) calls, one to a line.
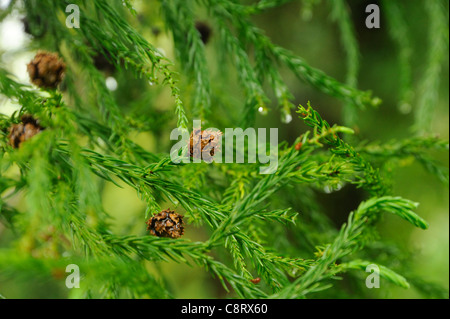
point(438, 49)
point(269, 226)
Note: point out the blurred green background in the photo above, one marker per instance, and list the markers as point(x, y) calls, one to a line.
point(313, 36)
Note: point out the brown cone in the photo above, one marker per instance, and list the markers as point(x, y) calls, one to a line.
point(166, 224)
point(19, 133)
point(204, 141)
point(46, 70)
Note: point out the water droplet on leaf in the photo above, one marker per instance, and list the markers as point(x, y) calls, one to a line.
point(286, 118)
point(404, 108)
point(111, 83)
point(262, 110)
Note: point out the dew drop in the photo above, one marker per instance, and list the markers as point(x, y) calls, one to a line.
point(327, 189)
point(404, 108)
point(111, 83)
point(262, 110)
point(333, 188)
point(4, 4)
point(286, 118)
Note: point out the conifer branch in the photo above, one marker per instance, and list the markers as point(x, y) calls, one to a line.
point(262, 235)
point(438, 37)
point(371, 179)
point(341, 15)
point(399, 33)
point(349, 240)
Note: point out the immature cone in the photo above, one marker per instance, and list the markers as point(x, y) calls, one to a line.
point(37, 28)
point(206, 141)
point(46, 70)
point(204, 30)
point(156, 31)
point(166, 224)
point(103, 64)
point(19, 133)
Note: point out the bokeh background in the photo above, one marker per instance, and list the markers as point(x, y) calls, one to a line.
point(306, 28)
